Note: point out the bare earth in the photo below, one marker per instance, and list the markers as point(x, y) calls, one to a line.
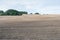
point(30, 27)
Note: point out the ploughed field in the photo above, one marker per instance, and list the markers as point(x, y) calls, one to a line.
point(30, 27)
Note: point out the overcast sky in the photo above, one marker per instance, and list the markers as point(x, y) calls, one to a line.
point(41, 6)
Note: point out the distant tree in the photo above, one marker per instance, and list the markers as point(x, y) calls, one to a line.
point(36, 13)
point(1, 12)
point(22, 12)
point(11, 12)
point(14, 12)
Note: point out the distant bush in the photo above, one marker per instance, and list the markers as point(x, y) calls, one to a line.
point(31, 13)
point(22, 12)
point(36, 13)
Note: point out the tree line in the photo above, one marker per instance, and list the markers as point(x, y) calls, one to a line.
point(12, 12)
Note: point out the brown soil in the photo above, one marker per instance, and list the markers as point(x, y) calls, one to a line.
point(37, 27)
